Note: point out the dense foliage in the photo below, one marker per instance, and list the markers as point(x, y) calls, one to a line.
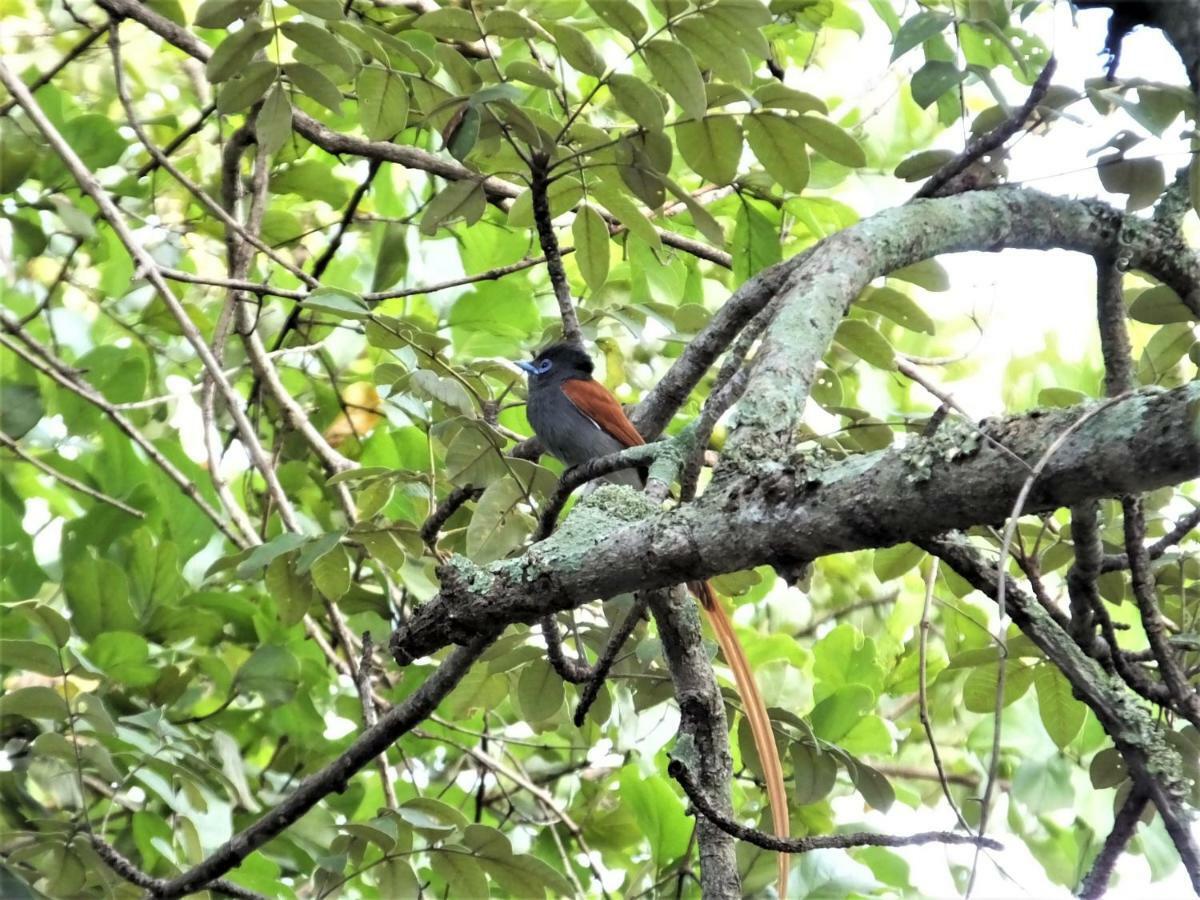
point(340, 197)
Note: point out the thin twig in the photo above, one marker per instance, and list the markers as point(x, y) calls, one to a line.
point(980, 146)
point(1095, 883)
point(677, 770)
point(539, 185)
point(56, 370)
point(923, 690)
point(604, 664)
point(72, 483)
point(67, 58)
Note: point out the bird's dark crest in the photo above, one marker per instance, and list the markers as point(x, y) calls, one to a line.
point(567, 355)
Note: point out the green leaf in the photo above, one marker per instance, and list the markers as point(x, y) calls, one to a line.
point(18, 154)
point(659, 814)
point(274, 125)
point(315, 84)
point(450, 23)
point(923, 164)
point(778, 142)
point(510, 24)
point(446, 390)
point(123, 656)
point(674, 67)
point(30, 656)
point(928, 274)
point(712, 146)
point(918, 29)
point(331, 573)
point(637, 100)
point(814, 774)
point(473, 457)
point(396, 879)
point(979, 690)
point(322, 44)
point(1060, 397)
point(756, 243)
point(34, 703)
point(98, 596)
point(382, 103)
point(293, 593)
point(520, 875)
point(590, 233)
point(244, 89)
point(1062, 715)
point(866, 343)
point(539, 691)
point(1163, 351)
point(575, 47)
point(897, 306)
point(833, 717)
point(621, 15)
point(1160, 305)
point(456, 866)
point(625, 211)
point(220, 13)
point(1142, 179)
point(529, 73)
point(236, 51)
point(457, 200)
point(272, 672)
point(261, 555)
point(892, 562)
point(831, 141)
point(932, 80)
point(498, 526)
point(873, 786)
point(774, 95)
point(711, 44)
point(701, 217)
point(339, 303)
point(20, 408)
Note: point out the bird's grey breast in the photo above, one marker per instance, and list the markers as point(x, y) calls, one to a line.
point(569, 435)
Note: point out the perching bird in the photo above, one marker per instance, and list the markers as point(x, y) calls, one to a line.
point(577, 419)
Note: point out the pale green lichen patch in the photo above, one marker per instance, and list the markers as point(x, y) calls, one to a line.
point(956, 439)
point(608, 509)
point(476, 579)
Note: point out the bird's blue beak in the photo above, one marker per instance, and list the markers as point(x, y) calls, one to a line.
point(527, 367)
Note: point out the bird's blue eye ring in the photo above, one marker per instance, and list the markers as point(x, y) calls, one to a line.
point(542, 366)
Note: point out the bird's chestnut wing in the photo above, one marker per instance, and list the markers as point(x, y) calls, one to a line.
point(596, 402)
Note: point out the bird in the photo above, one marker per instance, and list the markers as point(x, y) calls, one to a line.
point(577, 419)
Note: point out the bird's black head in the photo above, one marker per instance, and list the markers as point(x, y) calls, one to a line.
point(558, 361)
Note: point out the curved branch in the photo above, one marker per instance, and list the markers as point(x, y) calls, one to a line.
point(699, 798)
point(616, 542)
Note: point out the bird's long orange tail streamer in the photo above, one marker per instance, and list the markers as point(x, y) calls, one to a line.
point(756, 715)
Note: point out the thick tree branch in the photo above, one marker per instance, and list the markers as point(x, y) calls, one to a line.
point(817, 292)
point(617, 541)
point(702, 731)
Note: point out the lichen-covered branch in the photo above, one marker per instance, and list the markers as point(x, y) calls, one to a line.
point(618, 541)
